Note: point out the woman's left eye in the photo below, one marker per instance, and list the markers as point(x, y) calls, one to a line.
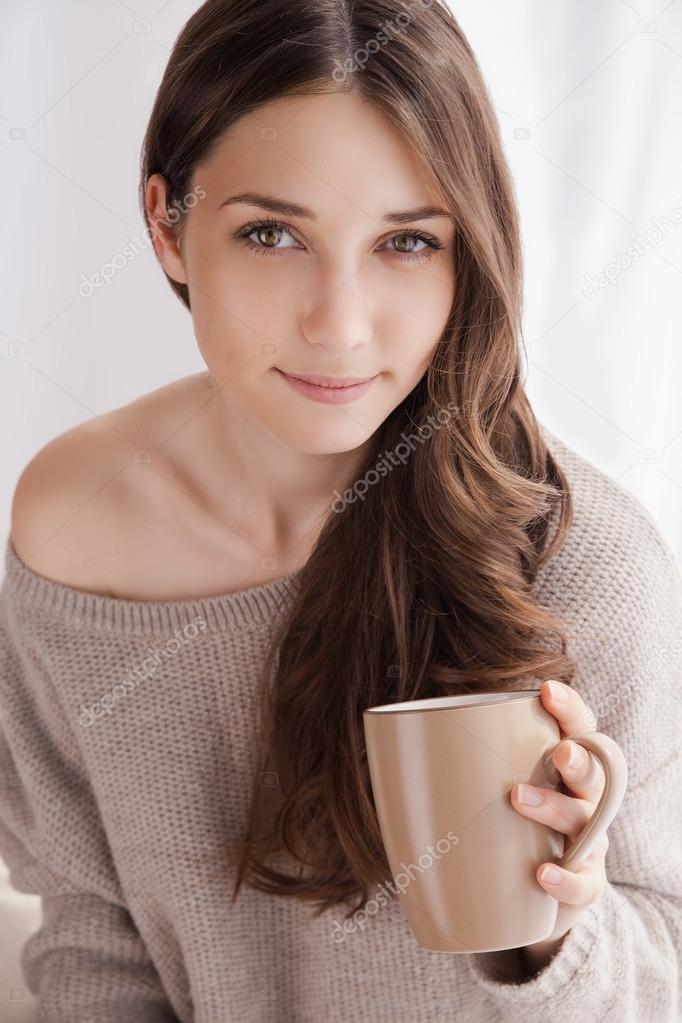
point(417, 255)
point(413, 254)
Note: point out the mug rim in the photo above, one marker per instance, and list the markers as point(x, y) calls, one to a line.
point(434, 703)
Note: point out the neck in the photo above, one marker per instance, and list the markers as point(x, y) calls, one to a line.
point(278, 494)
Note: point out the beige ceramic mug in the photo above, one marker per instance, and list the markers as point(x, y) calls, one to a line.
point(441, 772)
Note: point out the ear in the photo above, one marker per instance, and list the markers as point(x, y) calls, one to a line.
point(163, 228)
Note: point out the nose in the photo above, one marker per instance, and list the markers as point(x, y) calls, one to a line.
point(341, 318)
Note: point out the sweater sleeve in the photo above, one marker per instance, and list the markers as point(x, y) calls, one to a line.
point(621, 959)
point(87, 963)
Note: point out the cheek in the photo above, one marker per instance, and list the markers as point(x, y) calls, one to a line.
point(227, 294)
point(414, 319)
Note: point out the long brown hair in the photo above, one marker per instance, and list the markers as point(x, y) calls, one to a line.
point(420, 583)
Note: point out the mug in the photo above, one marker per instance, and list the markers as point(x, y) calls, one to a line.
point(441, 772)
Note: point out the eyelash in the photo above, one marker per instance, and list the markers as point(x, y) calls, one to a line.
point(265, 250)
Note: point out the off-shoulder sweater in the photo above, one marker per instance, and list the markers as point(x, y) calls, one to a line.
point(127, 753)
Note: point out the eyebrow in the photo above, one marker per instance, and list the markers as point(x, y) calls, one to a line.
point(291, 209)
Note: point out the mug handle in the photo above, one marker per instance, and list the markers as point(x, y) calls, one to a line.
point(615, 768)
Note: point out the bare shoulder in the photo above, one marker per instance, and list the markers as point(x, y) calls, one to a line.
point(63, 500)
point(83, 492)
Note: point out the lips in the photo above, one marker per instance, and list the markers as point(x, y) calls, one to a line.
point(331, 382)
point(341, 391)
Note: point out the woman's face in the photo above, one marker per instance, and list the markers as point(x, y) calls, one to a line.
point(335, 288)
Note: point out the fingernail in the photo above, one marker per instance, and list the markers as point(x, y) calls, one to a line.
point(576, 757)
point(529, 795)
point(557, 692)
point(550, 875)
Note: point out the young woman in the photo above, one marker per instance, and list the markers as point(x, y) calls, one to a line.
point(354, 504)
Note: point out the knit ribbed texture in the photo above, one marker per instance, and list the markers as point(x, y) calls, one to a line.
point(127, 752)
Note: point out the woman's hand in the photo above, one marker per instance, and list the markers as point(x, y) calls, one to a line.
point(567, 813)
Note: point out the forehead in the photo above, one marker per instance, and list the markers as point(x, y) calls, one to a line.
point(328, 152)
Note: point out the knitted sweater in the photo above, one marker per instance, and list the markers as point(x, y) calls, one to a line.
point(126, 756)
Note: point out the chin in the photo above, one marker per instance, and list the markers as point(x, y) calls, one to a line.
point(334, 438)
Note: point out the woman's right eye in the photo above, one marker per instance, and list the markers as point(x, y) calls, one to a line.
point(265, 228)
